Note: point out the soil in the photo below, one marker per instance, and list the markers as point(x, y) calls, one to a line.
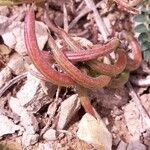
point(118, 108)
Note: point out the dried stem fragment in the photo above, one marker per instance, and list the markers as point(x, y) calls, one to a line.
point(145, 116)
point(12, 82)
point(99, 21)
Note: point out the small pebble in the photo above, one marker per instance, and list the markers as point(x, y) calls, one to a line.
point(50, 135)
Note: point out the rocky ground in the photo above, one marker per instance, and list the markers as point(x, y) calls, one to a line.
point(35, 114)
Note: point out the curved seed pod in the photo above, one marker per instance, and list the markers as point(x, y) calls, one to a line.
point(75, 46)
point(108, 48)
point(61, 32)
point(48, 56)
point(94, 52)
point(88, 54)
point(136, 50)
point(41, 64)
point(74, 72)
point(109, 69)
point(119, 81)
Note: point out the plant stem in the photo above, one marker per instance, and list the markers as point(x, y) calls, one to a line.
point(85, 102)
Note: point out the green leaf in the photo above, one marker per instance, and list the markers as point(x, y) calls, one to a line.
point(140, 28)
point(146, 54)
point(145, 45)
point(140, 18)
point(143, 37)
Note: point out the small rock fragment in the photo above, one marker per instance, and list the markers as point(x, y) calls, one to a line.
point(4, 11)
point(52, 108)
point(132, 117)
point(33, 95)
point(29, 122)
point(5, 76)
point(122, 146)
point(7, 126)
point(31, 90)
point(4, 50)
point(14, 36)
point(136, 145)
point(4, 23)
point(50, 135)
point(44, 146)
point(67, 109)
point(16, 63)
point(145, 99)
point(94, 131)
point(29, 139)
point(15, 106)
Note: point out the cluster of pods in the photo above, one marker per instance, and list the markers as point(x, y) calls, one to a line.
point(82, 67)
point(67, 59)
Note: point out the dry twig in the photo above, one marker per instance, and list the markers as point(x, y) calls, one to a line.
point(82, 13)
point(144, 115)
point(80, 6)
point(12, 82)
point(99, 21)
point(141, 82)
point(65, 18)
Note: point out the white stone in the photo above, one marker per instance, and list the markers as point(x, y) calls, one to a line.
point(9, 39)
point(4, 23)
point(50, 135)
point(136, 145)
point(5, 76)
point(29, 122)
point(16, 63)
point(7, 126)
point(29, 139)
point(44, 146)
point(14, 36)
point(29, 90)
point(4, 10)
point(15, 106)
point(94, 131)
point(132, 118)
point(67, 109)
point(122, 146)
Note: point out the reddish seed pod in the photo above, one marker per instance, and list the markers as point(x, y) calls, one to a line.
point(109, 69)
point(89, 54)
point(136, 51)
point(41, 64)
point(82, 79)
